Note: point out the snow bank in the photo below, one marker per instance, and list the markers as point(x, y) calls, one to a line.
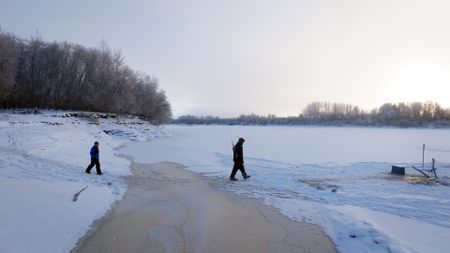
point(40, 216)
point(42, 163)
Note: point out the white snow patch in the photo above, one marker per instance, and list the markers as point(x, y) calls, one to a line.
point(40, 216)
point(408, 235)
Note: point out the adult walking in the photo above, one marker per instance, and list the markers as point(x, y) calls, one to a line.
point(95, 159)
point(238, 159)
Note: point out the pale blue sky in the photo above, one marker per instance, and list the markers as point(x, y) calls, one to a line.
point(231, 57)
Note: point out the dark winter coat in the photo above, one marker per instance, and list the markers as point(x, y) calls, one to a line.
point(95, 154)
point(238, 153)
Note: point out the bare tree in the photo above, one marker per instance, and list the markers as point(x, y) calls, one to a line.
point(61, 75)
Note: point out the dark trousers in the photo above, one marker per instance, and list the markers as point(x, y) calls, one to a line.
point(238, 166)
point(95, 162)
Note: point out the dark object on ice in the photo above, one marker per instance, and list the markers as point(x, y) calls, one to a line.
point(353, 236)
point(95, 160)
point(397, 170)
point(431, 171)
point(421, 171)
point(424, 171)
point(238, 159)
point(75, 197)
point(334, 190)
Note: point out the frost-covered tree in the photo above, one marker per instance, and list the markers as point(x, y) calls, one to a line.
point(61, 75)
point(325, 113)
point(8, 58)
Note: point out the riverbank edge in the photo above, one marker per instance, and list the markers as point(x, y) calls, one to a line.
point(285, 232)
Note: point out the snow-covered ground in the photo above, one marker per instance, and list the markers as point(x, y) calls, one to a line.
point(337, 178)
point(42, 162)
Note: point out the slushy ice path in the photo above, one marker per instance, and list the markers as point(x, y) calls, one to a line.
point(169, 209)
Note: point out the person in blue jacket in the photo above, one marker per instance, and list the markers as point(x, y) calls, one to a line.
point(95, 159)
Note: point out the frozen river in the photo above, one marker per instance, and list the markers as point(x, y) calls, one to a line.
point(335, 177)
point(311, 144)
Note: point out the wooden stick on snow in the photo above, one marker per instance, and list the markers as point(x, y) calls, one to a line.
point(75, 197)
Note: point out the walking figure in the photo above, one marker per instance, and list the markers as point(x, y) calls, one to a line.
point(95, 159)
point(238, 159)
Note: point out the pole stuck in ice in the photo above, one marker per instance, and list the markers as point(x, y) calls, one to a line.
point(423, 156)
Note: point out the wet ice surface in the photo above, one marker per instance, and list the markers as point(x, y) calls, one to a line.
point(337, 178)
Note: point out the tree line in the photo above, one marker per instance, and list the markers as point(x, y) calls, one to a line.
point(62, 75)
point(416, 114)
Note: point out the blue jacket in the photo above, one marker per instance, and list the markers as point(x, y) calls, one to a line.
point(95, 154)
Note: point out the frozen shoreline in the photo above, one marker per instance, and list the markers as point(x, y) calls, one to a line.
point(170, 209)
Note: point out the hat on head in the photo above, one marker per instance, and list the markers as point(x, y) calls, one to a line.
point(96, 142)
point(241, 139)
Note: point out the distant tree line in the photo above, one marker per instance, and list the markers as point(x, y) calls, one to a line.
point(415, 114)
point(61, 75)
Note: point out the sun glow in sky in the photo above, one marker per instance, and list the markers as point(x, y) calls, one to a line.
point(421, 81)
point(261, 56)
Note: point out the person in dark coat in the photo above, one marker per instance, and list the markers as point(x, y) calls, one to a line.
point(238, 159)
point(95, 159)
